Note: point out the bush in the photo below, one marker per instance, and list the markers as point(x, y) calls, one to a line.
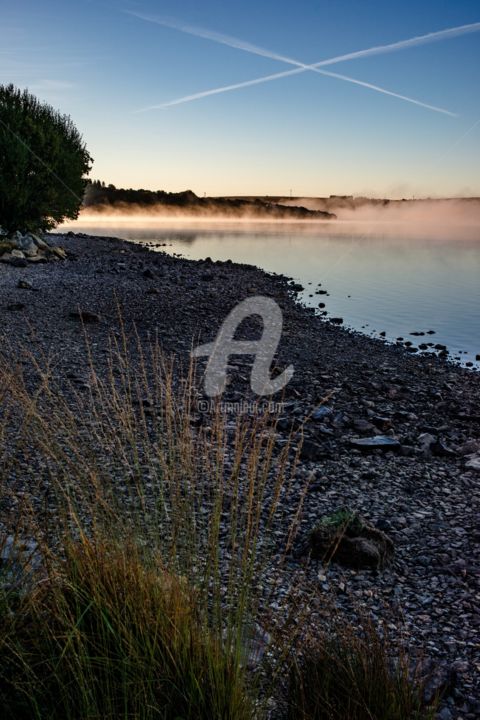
point(43, 161)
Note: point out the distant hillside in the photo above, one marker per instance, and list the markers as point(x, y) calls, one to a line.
point(107, 198)
point(350, 207)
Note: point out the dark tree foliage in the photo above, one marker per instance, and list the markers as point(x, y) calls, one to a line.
point(97, 193)
point(43, 163)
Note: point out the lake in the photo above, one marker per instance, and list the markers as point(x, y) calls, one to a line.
point(394, 280)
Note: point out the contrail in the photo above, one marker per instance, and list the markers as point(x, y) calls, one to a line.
point(382, 90)
point(302, 67)
point(248, 47)
point(288, 73)
point(216, 37)
point(218, 91)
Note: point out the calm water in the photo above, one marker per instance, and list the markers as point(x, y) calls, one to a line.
point(394, 280)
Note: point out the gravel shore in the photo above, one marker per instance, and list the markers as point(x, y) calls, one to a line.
point(422, 490)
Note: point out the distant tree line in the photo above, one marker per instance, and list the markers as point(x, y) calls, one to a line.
point(98, 193)
point(100, 196)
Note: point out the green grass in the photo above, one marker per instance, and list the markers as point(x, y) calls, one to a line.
point(341, 521)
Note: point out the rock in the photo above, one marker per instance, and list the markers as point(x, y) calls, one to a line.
point(425, 442)
point(58, 252)
point(363, 426)
point(382, 423)
point(473, 463)
point(16, 306)
point(322, 413)
point(85, 316)
point(439, 449)
point(41, 244)
point(336, 320)
point(15, 253)
point(38, 258)
point(24, 285)
point(27, 245)
point(444, 714)
point(471, 447)
point(359, 553)
point(312, 451)
point(347, 539)
point(18, 262)
point(148, 274)
point(380, 442)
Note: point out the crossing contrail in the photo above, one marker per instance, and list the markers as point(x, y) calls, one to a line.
point(288, 73)
point(302, 67)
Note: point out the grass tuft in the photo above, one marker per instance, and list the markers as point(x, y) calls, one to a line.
point(350, 675)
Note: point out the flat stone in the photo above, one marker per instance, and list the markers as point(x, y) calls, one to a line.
point(322, 413)
point(474, 463)
point(380, 442)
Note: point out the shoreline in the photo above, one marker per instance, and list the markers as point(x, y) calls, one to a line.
point(423, 494)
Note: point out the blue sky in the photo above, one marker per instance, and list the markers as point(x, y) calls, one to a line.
point(307, 133)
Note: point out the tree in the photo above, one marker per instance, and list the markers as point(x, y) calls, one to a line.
point(43, 163)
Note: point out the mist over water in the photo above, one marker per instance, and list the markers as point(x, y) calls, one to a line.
point(395, 276)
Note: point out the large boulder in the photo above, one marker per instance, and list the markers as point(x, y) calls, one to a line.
point(346, 538)
point(27, 244)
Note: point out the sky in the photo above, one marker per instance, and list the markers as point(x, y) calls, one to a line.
point(115, 67)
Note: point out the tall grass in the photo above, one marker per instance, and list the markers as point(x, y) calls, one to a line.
point(129, 477)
